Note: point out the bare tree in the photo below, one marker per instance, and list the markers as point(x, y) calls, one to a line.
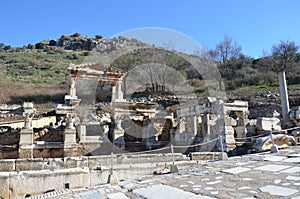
point(169, 45)
point(227, 50)
point(283, 54)
point(149, 71)
point(164, 73)
point(227, 54)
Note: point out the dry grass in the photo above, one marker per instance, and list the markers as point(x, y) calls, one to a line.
point(44, 95)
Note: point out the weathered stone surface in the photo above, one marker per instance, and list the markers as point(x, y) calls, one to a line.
point(26, 137)
point(236, 170)
point(70, 136)
point(205, 155)
point(266, 124)
point(280, 140)
point(278, 190)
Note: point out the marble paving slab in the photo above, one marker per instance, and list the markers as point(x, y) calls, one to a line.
point(117, 196)
point(165, 191)
point(278, 190)
point(291, 170)
point(294, 155)
point(274, 158)
point(272, 167)
point(295, 178)
point(235, 170)
point(294, 160)
point(214, 182)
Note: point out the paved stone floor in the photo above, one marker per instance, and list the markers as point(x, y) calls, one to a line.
point(263, 175)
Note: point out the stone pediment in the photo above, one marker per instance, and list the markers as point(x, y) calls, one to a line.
point(93, 71)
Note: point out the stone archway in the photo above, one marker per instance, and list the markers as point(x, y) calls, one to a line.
point(79, 102)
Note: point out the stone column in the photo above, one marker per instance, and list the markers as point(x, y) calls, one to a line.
point(206, 125)
point(117, 94)
point(81, 128)
point(180, 129)
point(283, 96)
point(194, 125)
point(113, 94)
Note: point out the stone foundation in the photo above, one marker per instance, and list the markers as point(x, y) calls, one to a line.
point(70, 151)
point(25, 152)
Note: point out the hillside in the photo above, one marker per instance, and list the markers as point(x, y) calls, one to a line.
point(38, 72)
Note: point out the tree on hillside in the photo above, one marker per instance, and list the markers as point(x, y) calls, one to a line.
point(169, 45)
point(227, 53)
point(227, 50)
point(283, 55)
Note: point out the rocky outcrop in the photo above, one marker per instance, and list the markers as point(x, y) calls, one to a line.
point(76, 42)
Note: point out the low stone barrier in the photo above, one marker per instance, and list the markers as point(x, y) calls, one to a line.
point(205, 155)
point(17, 184)
point(91, 162)
point(20, 177)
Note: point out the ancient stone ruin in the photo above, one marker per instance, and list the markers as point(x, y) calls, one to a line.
point(225, 126)
point(201, 124)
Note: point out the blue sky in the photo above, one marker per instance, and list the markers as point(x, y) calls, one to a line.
point(254, 24)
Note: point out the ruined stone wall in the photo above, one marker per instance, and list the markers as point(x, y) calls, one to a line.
point(49, 153)
point(9, 144)
point(57, 152)
point(9, 154)
point(257, 109)
point(10, 138)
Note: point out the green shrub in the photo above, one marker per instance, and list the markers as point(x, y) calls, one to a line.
point(293, 80)
point(76, 34)
point(40, 45)
point(98, 37)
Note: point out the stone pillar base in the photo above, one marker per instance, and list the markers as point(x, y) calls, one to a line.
point(70, 136)
point(70, 150)
point(173, 168)
point(26, 143)
point(26, 137)
point(223, 156)
point(26, 152)
point(70, 145)
point(112, 179)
